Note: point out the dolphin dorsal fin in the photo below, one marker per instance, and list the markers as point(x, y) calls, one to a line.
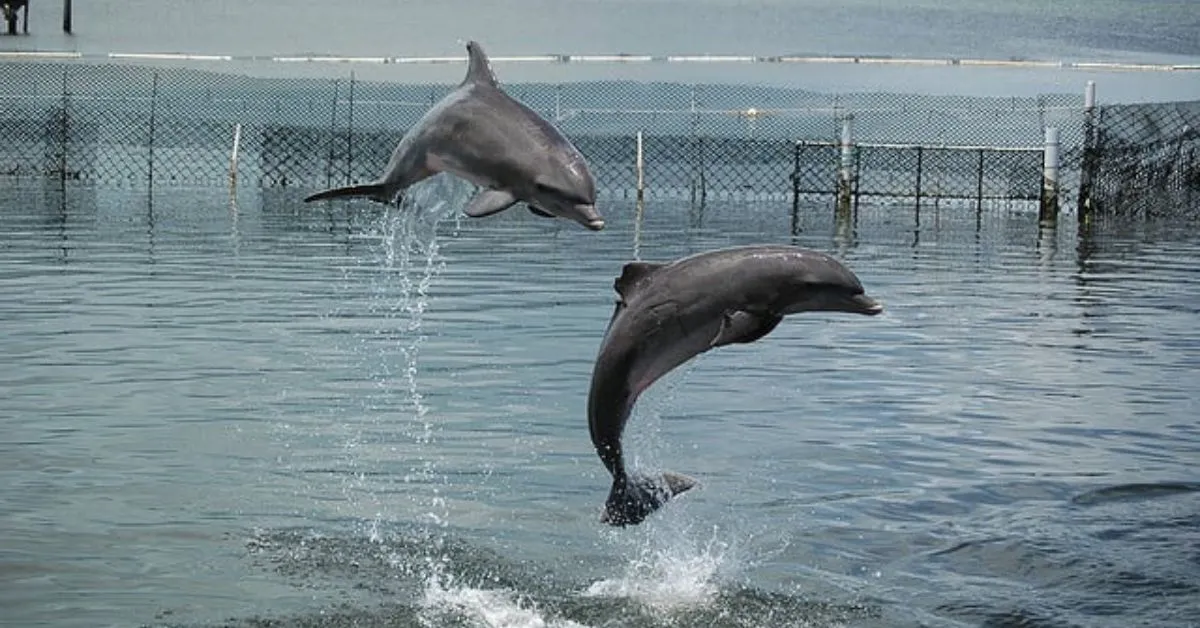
point(631, 275)
point(479, 70)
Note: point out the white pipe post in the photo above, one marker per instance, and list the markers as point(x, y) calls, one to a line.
point(1049, 206)
point(233, 157)
point(845, 184)
point(639, 164)
point(1088, 163)
point(641, 184)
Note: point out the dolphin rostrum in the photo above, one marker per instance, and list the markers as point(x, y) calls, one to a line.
point(666, 314)
point(483, 135)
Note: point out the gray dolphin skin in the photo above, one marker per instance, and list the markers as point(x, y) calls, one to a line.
point(666, 314)
point(483, 135)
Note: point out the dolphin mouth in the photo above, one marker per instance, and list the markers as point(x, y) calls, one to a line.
point(866, 305)
point(591, 218)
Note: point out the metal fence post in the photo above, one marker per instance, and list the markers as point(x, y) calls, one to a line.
point(920, 159)
point(698, 163)
point(150, 140)
point(979, 184)
point(1049, 197)
point(233, 158)
point(796, 179)
point(66, 16)
point(845, 184)
point(332, 134)
point(857, 179)
point(641, 208)
point(350, 134)
point(64, 121)
point(639, 164)
point(1087, 164)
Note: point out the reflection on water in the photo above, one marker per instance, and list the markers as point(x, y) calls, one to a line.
point(270, 412)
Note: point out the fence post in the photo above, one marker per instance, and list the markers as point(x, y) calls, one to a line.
point(1049, 198)
point(66, 16)
point(233, 159)
point(1088, 159)
point(639, 164)
point(920, 165)
point(64, 122)
point(698, 163)
point(845, 184)
point(796, 178)
point(641, 208)
point(332, 134)
point(153, 116)
point(979, 184)
point(350, 134)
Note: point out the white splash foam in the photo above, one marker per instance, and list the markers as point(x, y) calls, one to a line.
point(483, 608)
point(666, 578)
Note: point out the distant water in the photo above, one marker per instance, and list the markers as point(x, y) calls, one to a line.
point(1076, 29)
point(271, 414)
point(1154, 31)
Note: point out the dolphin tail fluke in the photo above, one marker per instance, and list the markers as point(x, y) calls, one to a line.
point(374, 191)
point(633, 498)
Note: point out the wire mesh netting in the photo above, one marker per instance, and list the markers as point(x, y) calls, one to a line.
point(128, 125)
point(1142, 159)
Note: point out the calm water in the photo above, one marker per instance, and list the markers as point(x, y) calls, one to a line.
point(275, 414)
point(1145, 31)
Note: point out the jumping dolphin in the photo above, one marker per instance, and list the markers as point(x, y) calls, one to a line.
point(666, 314)
point(483, 135)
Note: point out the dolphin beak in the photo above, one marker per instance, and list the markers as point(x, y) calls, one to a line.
point(591, 218)
point(864, 304)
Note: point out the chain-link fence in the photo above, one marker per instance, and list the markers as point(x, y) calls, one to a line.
point(1141, 160)
point(141, 126)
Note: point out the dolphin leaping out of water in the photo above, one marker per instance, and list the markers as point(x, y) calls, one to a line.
point(483, 135)
point(666, 314)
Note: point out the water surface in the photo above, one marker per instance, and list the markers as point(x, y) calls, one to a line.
point(267, 413)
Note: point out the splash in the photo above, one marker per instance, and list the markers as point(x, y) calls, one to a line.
point(404, 263)
point(670, 572)
point(446, 602)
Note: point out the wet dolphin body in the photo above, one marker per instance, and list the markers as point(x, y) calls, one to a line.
point(483, 135)
point(666, 314)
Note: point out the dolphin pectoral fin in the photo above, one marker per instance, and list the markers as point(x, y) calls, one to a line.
point(537, 212)
point(634, 497)
point(631, 275)
point(489, 202)
point(375, 191)
point(745, 327)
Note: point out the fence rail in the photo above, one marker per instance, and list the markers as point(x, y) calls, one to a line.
point(126, 125)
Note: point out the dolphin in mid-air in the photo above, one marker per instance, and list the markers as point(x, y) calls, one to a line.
point(483, 135)
point(666, 314)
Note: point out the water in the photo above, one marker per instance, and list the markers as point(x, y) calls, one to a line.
point(1147, 31)
point(264, 413)
point(1022, 28)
